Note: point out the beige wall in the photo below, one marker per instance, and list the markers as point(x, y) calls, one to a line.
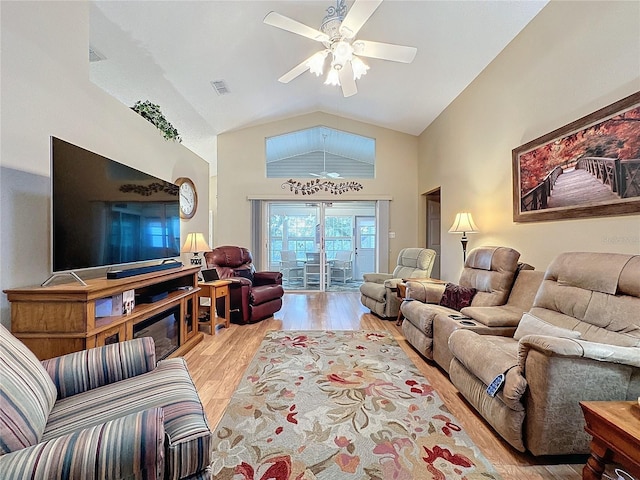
point(241, 173)
point(572, 59)
point(45, 90)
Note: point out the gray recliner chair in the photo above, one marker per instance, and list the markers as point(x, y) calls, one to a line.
point(378, 292)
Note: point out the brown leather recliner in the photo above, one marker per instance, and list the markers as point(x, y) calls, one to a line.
point(254, 295)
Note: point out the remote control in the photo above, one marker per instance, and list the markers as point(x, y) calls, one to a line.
point(495, 385)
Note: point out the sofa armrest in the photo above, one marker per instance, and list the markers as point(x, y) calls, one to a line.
point(238, 282)
point(267, 278)
point(570, 347)
point(128, 447)
point(82, 371)
point(424, 291)
point(376, 277)
point(560, 374)
point(392, 283)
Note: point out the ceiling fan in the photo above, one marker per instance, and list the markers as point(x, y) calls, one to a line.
point(324, 173)
point(337, 33)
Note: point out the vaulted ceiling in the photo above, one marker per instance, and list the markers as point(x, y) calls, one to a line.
point(169, 52)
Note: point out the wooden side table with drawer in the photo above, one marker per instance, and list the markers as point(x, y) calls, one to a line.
point(214, 290)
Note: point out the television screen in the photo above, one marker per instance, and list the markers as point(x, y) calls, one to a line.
point(106, 213)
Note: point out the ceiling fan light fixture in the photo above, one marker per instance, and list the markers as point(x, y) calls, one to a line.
point(316, 62)
point(342, 52)
point(332, 77)
point(359, 68)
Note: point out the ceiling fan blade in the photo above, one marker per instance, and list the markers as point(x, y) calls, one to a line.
point(347, 81)
point(384, 51)
point(296, 71)
point(285, 23)
point(357, 15)
point(315, 175)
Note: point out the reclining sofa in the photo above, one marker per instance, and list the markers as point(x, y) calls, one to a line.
point(490, 271)
point(100, 414)
point(579, 341)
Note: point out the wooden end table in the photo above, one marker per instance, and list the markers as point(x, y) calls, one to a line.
point(214, 290)
point(615, 427)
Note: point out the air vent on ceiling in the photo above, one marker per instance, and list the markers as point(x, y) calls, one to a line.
point(95, 56)
point(220, 87)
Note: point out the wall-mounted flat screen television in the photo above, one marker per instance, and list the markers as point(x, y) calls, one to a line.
point(105, 213)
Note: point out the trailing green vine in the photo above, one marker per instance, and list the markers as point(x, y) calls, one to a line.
point(151, 112)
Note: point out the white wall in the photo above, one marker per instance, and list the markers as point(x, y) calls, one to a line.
point(241, 173)
point(572, 59)
point(45, 91)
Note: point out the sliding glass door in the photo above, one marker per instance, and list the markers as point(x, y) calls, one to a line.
point(317, 245)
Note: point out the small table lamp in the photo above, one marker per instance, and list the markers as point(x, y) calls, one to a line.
point(195, 243)
point(463, 224)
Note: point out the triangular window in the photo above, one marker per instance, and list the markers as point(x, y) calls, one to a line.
point(320, 152)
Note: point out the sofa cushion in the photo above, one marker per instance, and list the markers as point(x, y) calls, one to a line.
point(457, 297)
point(27, 395)
point(244, 273)
point(598, 316)
point(168, 386)
point(532, 325)
point(78, 372)
point(414, 262)
point(491, 270)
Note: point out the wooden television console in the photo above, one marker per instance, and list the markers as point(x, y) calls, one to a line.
point(60, 319)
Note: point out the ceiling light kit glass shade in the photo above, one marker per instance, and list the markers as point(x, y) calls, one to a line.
point(463, 224)
point(195, 243)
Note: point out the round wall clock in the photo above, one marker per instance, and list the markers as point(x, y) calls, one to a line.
point(188, 197)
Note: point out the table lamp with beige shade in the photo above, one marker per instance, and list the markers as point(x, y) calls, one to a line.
point(195, 243)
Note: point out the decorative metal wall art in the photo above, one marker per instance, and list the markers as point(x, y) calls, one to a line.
point(320, 185)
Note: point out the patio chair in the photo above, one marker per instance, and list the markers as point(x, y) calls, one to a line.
point(342, 267)
point(292, 269)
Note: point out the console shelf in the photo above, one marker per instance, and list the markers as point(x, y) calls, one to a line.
point(59, 319)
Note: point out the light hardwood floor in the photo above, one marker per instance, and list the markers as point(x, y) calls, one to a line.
point(218, 362)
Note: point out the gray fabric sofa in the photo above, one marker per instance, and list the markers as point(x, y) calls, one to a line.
point(378, 292)
point(490, 270)
point(579, 341)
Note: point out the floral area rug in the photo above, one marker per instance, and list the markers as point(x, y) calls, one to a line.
point(340, 405)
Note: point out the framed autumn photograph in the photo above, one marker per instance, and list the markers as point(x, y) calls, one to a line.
point(588, 168)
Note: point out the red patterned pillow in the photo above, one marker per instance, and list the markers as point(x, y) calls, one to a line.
point(456, 296)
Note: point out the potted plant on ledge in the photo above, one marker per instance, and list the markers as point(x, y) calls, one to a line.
point(151, 112)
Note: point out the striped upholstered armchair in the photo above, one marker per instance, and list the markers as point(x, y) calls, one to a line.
point(104, 413)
